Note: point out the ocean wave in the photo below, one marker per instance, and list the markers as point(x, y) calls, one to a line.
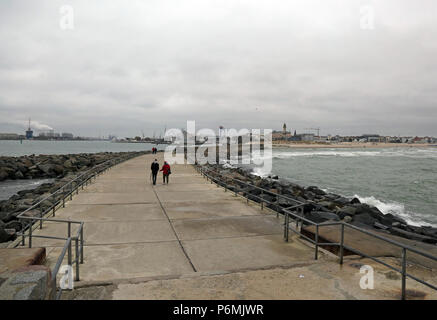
point(396, 209)
point(261, 172)
point(285, 155)
point(410, 153)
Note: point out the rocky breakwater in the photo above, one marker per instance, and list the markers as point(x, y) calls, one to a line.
point(321, 206)
point(61, 168)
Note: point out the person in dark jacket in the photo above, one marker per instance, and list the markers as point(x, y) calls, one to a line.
point(155, 169)
point(165, 172)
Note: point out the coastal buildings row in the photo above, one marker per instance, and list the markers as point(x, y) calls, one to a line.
point(285, 135)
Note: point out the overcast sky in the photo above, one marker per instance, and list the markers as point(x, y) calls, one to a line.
point(129, 66)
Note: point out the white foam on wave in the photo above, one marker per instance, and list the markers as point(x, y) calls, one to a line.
point(260, 171)
point(409, 153)
point(285, 155)
point(227, 165)
point(395, 208)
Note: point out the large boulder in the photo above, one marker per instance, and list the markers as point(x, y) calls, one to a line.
point(3, 174)
point(346, 211)
point(355, 201)
point(316, 190)
point(412, 235)
point(10, 172)
point(327, 204)
point(321, 216)
point(364, 219)
point(58, 169)
point(341, 201)
point(68, 164)
point(369, 210)
point(6, 216)
point(46, 168)
point(286, 203)
point(18, 175)
point(5, 235)
point(394, 218)
point(22, 168)
point(14, 224)
point(429, 231)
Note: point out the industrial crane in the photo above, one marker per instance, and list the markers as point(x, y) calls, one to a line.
point(315, 129)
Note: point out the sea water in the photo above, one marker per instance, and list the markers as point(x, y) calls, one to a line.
point(401, 181)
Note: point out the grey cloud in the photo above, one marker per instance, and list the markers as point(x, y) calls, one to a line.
point(132, 66)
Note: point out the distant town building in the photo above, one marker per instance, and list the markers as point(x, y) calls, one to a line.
point(9, 136)
point(66, 135)
point(308, 137)
point(370, 138)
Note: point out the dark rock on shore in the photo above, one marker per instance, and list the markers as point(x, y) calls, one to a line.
point(63, 168)
point(321, 216)
point(320, 206)
point(49, 166)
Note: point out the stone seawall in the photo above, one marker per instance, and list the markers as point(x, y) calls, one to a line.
point(62, 168)
point(322, 206)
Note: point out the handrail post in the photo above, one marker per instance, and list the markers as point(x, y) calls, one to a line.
point(53, 292)
point(286, 226)
point(316, 253)
point(76, 240)
point(342, 244)
point(69, 252)
point(404, 272)
point(23, 227)
point(30, 234)
point(54, 204)
point(81, 244)
point(69, 245)
point(277, 205)
point(297, 220)
point(40, 215)
point(262, 199)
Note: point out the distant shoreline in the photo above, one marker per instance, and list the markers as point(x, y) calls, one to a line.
point(350, 145)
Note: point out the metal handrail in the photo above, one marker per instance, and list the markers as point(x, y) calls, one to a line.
point(53, 295)
point(405, 248)
point(79, 181)
point(287, 212)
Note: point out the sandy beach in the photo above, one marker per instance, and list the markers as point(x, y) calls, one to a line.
point(287, 144)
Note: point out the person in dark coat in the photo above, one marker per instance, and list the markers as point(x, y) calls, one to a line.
point(155, 169)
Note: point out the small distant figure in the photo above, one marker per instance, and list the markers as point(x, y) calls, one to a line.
point(166, 171)
point(155, 169)
point(154, 150)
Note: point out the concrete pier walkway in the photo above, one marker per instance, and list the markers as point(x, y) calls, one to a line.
point(192, 240)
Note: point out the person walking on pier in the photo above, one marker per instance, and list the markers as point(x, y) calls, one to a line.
point(155, 169)
point(165, 172)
